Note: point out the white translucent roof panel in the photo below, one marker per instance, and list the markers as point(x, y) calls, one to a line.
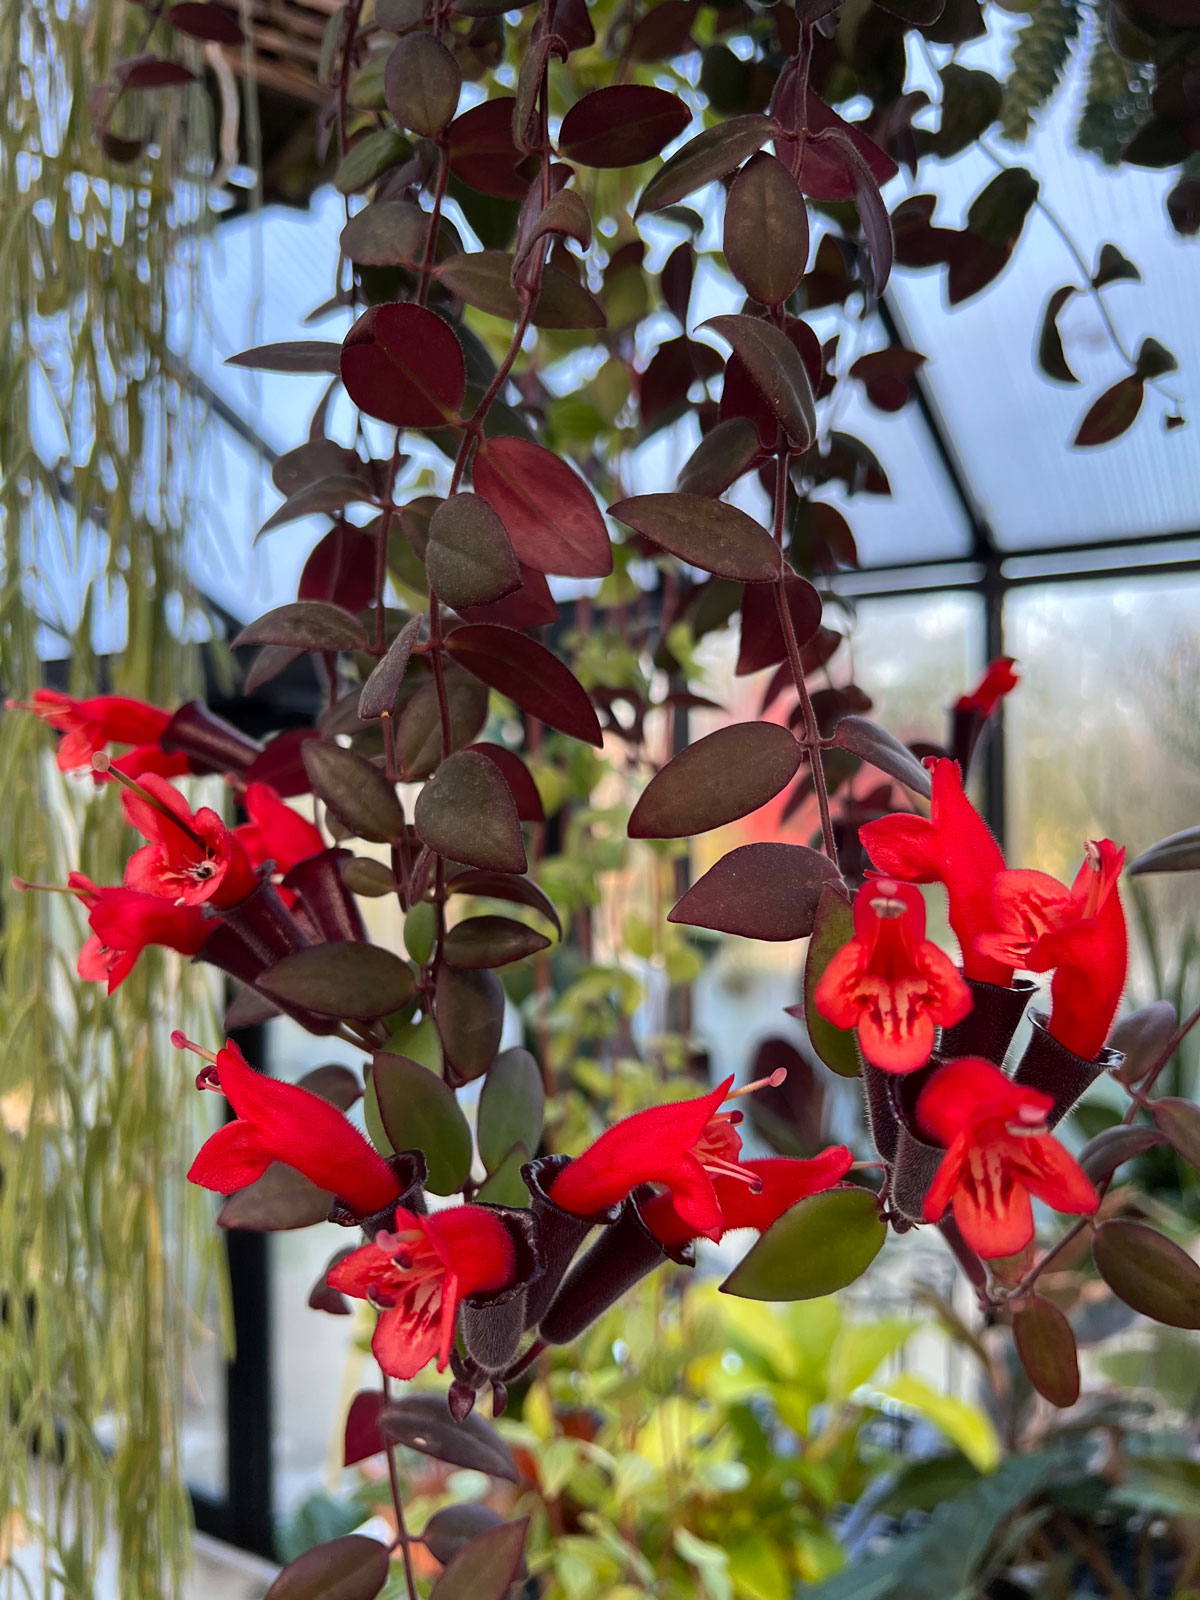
point(1011, 426)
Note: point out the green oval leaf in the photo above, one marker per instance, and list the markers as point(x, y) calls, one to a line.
point(722, 777)
point(469, 1010)
point(466, 813)
point(359, 981)
point(469, 557)
point(355, 790)
point(833, 927)
point(421, 84)
point(351, 1568)
point(818, 1247)
point(1046, 1349)
point(420, 1112)
point(708, 534)
point(1148, 1272)
point(419, 726)
point(512, 1105)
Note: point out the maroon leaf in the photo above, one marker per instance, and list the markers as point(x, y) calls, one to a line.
point(504, 886)
point(677, 274)
point(1112, 1147)
point(825, 174)
point(297, 355)
point(151, 72)
point(519, 779)
point(483, 155)
point(450, 1528)
point(419, 725)
point(381, 688)
point(550, 513)
point(621, 126)
point(281, 763)
point(466, 812)
point(1051, 356)
point(362, 1437)
point(422, 1422)
point(722, 456)
point(529, 675)
point(1112, 414)
point(305, 625)
point(282, 1198)
point(1141, 1038)
point(469, 557)
point(766, 230)
point(351, 1568)
point(1046, 1348)
point(484, 1568)
point(328, 496)
point(722, 777)
point(359, 981)
point(341, 569)
point(1179, 1121)
point(762, 641)
point(777, 369)
point(882, 750)
point(708, 156)
point(872, 212)
point(706, 533)
point(202, 21)
point(1148, 1272)
point(404, 365)
point(355, 790)
point(760, 891)
point(480, 942)
point(528, 607)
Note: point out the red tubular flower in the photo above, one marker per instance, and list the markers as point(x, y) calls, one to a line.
point(997, 681)
point(275, 832)
point(891, 982)
point(417, 1276)
point(190, 858)
point(150, 758)
point(89, 726)
point(779, 1183)
point(999, 1155)
point(282, 1122)
point(683, 1147)
point(955, 847)
point(124, 922)
point(1080, 932)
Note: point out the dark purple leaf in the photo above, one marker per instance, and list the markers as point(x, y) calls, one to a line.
point(404, 365)
point(760, 891)
point(621, 126)
point(466, 812)
point(724, 776)
point(550, 513)
point(706, 533)
point(530, 675)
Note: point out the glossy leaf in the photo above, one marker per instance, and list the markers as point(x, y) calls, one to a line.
point(710, 155)
point(1148, 1272)
point(421, 1422)
point(379, 693)
point(530, 675)
point(833, 927)
point(350, 1568)
point(884, 751)
point(709, 534)
point(1179, 852)
point(1046, 1350)
point(404, 365)
point(762, 643)
point(466, 812)
point(1112, 1147)
point(420, 1112)
point(512, 1105)
point(621, 126)
point(355, 790)
point(724, 776)
point(347, 979)
point(485, 1568)
point(778, 372)
point(1112, 414)
point(421, 84)
point(469, 1009)
point(487, 942)
point(818, 1247)
point(1179, 1122)
point(295, 355)
point(1051, 356)
point(469, 556)
point(766, 230)
point(305, 625)
point(506, 886)
point(550, 513)
point(760, 891)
